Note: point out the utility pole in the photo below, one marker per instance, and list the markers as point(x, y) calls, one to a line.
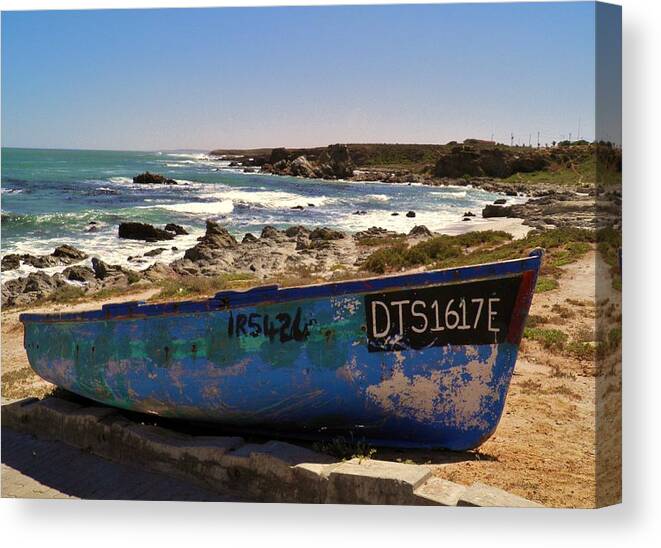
point(512, 139)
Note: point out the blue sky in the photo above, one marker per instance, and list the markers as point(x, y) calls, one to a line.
point(253, 77)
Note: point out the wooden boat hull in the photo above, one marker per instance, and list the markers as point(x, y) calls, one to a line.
point(404, 361)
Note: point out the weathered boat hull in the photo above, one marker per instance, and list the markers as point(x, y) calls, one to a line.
point(307, 360)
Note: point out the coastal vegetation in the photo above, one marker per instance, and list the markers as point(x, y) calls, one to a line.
point(184, 287)
point(563, 246)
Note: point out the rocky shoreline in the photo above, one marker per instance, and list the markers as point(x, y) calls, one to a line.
point(273, 253)
point(474, 163)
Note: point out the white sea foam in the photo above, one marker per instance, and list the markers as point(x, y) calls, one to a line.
point(270, 199)
point(377, 198)
point(193, 155)
point(432, 219)
point(121, 180)
point(222, 207)
point(450, 194)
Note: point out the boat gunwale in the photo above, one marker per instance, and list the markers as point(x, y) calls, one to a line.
point(274, 294)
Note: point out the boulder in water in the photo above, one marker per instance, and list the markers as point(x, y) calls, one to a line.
point(69, 253)
point(147, 178)
point(177, 229)
point(11, 261)
point(143, 231)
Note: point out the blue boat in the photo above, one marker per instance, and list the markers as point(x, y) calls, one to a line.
point(415, 360)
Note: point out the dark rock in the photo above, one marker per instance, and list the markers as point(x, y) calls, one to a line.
point(500, 201)
point(511, 193)
point(420, 230)
point(466, 219)
point(41, 261)
point(174, 248)
point(270, 233)
point(39, 282)
point(411, 214)
point(101, 269)
point(79, 273)
point(360, 212)
point(143, 231)
point(295, 231)
point(324, 233)
point(177, 229)
point(68, 253)
point(297, 207)
point(394, 214)
point(469, 214)
point(11, 262)
point(249, 238)
point(496, 211)
point(92, 228)
point(311, 205)
point(154, 252)
point(147, 178)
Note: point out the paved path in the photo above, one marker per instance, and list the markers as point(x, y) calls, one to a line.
point(33, 468)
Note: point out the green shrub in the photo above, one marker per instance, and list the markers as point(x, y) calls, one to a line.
point(67, 293)
point(189, 286)
point(545, 284)
point(551, 339)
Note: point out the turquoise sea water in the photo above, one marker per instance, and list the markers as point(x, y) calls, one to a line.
point(49, 197)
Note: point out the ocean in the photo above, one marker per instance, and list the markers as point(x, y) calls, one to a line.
point(50, 197)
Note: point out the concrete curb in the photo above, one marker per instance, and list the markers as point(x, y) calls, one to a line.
point(270, 472)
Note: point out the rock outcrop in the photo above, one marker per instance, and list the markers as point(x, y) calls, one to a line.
point(420, 231)
point(62, 255)
point(212, 245)
point(11, 261)
point(332, 163)
point(147, 178)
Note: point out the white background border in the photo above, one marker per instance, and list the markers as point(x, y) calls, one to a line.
point(636, 522)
